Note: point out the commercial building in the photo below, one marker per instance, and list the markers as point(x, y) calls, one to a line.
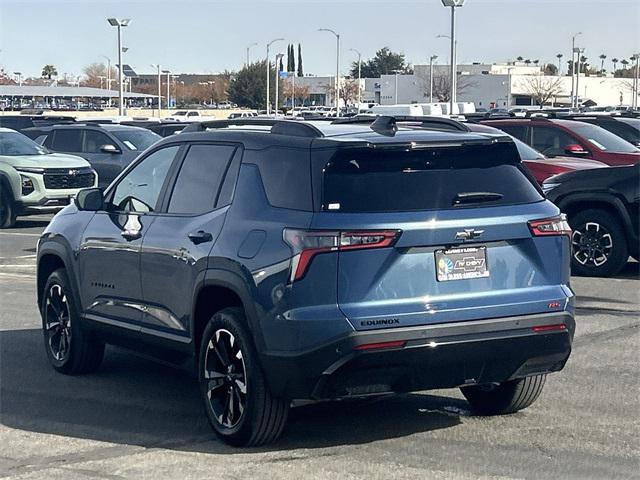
point(499, 85)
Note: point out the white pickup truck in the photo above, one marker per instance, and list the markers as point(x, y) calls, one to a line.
point(189, 116)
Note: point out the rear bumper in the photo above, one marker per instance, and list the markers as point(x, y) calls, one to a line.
point(434, 356)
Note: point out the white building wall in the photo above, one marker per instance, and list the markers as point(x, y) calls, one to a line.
point(493, 89)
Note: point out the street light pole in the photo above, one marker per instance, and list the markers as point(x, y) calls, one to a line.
point(359, 76)
point(573, 69)
point(337, 86)
point(278, 57)
point(395, 86)
point(453, 4)
point(249, 48)
point(159, 88)
point(636, 81)
point(431, 59)
point(108, 75)
point(168, 72)
point(269, 71)
point(114, 22)
point(579, 52)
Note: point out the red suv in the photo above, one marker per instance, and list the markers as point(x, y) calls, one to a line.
point(555, 137)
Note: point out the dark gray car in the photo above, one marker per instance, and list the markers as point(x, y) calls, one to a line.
point(108, 148)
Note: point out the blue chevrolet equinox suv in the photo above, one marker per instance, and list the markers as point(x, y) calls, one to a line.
point(294, 260)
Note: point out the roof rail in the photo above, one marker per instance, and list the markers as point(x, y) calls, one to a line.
point(436, 123)
point(283, 127)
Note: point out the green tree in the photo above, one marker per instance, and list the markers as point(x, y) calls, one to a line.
point(300, 71)
point(385, 62)
point(49, 71)
point(291, 61)
point(249, 86)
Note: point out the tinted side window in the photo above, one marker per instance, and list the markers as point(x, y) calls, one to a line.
point(94, 140)
point(286, 175)
point(198, 182)
point(139, 190)
point(67, 140)
point(550, 141)
point(518, 131)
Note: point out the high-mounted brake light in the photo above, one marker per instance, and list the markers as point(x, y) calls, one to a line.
point(550, 226)
point(305, 244)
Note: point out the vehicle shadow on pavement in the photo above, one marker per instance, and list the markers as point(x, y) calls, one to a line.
point(135, 401)
point(630, 271)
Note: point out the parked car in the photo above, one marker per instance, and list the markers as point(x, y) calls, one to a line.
point(242, 115)
point(308, 261)
point(165, 129)
point(541, 167)
point(627, 128)
point(107, 147)
point(34, 180)
point(188, 116)
point(603, 210)
point(555, 137)
point(22, 122)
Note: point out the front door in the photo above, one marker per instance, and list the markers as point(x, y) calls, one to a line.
point(109, 259)
point(176, 246)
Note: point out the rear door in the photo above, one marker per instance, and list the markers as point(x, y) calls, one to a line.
point(463, 248)
point(176, 246)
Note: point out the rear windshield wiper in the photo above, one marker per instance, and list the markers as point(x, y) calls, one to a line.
point(463, 198)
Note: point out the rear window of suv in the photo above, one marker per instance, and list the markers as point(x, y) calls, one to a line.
point(369, 180)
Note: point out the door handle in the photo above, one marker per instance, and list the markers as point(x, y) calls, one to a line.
point(200, 237)
point(131, 234)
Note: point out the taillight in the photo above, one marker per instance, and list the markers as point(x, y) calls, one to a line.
point(381, 345)
point(305, 244)
point(550, 226)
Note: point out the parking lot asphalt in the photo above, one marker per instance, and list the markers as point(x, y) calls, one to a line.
point(136, 418)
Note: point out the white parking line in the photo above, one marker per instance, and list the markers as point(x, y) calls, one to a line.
point(19, 256)
point(21, 234)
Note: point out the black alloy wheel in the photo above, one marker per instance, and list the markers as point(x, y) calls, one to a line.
point(57, 322)
point(226, 376)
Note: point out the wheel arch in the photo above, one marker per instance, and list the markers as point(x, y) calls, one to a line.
point(51, 257)
point(221, 289)
point(572, 204)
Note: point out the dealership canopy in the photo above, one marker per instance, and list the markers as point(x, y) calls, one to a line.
point(64, 92)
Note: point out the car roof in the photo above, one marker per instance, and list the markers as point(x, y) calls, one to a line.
point(319, 134)
point(7, 130)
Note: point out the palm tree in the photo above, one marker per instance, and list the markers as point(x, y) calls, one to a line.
point(602, 57)
point(615, 64)
point(536, 62)
point(559, 57)
point(624, 63)
point(520, 59)
point(49, 71)
point(527, 62)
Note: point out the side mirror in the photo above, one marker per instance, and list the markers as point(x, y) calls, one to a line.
point(90, 199)
point(109, 149)
point(575, 149)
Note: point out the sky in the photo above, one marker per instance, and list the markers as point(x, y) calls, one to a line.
point(209, 36)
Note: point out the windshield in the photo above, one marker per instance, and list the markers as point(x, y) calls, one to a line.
point(526, 152)
point(603, 139)
point(181, 113)
point(138, 139)
point(14, 143)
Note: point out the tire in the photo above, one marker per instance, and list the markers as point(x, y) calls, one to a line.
point(598, 244)
point(505, 398)
point(237, 401)
point(7, 208)
point(69, 349)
